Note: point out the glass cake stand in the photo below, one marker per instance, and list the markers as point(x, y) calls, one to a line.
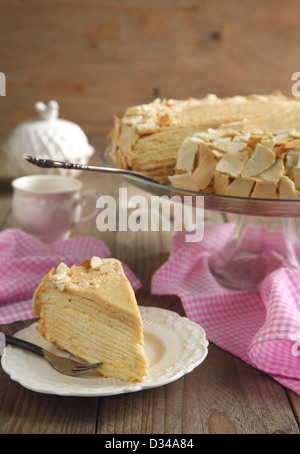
point(264, 237)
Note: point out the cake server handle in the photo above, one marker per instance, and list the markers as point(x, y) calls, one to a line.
point(48, 163)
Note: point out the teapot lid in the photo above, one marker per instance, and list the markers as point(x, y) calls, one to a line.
point(47, 112)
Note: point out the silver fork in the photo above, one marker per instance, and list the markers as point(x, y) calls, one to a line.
point(62, 364)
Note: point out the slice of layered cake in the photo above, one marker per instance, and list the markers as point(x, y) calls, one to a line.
point(90, 310)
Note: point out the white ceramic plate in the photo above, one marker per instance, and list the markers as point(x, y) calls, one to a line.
point(174, 345)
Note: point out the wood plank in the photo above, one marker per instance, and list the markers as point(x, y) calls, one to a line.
point(221, 396)
point(96, 58)
point(26, 412)
point(233, 397)
point(295, 404)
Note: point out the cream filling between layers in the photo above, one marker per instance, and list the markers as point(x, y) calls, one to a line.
point(77, 334)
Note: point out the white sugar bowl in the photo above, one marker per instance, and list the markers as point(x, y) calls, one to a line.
point(49, 137)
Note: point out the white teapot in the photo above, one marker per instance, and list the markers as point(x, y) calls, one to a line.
point(49, 137)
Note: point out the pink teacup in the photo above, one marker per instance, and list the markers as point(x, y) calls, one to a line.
point(49, 207)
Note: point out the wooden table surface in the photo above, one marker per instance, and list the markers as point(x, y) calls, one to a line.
point(221, 396)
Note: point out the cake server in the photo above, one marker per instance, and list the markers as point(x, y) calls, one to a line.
point(48, 163)
point(62, 364)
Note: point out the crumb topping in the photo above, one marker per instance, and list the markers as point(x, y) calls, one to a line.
point(89, 273)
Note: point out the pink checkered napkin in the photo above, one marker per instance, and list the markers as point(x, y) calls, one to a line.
point(262, 327)
point(24, 260)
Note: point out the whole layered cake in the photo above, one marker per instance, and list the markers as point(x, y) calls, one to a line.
point(228, 136)
point(90, 310)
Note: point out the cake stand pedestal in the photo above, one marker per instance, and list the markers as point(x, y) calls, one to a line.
point(264, 239)
point(257, 247)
